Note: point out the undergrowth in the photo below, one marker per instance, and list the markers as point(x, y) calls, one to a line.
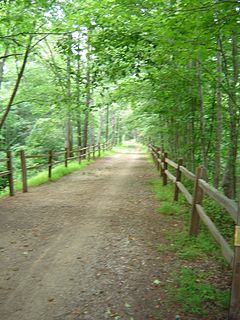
point(193, 288)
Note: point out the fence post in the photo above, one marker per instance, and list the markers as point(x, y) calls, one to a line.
point(234, 310)
point(197, 199)
point(154, 155)
point(178, 178)
point(158, 158)
point(24, 171)
point(50, 158)
point(165, 166)
point(151, 151)
point(66, 157)
point(99, 150)
point(89, 152)
point(10, 175)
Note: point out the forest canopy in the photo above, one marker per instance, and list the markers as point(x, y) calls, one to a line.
point(161, 71)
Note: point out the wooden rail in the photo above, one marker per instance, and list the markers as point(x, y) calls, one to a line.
point(48, 160)
point(201, 188)
point(52, 159)
point(8, 172)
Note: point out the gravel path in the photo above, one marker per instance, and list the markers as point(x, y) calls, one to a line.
point(84, 247)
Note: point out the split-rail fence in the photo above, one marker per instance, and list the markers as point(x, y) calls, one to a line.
point(201, 188)
point(48, 160)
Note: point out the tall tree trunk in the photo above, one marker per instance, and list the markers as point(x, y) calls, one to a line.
point(218, 137)
point(190, 133)
point(88, 103)
point(113, 129)
point(69, 139)
point(117, 130)
point(19, 78)
point(202, 114)
point(85, 129)
point(92, 131)
point(229, 178)
point(99, 126)
point(79, 133)
point(107, 124)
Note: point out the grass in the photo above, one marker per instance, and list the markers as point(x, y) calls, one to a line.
point(193, 289)
point(195, 294)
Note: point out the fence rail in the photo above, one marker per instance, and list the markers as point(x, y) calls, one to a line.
point(201, 188)
point(48, 160)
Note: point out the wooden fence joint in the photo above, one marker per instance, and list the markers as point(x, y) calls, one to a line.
point(24, 171)
point(201, 173)
point(178, 179)
point(10, 174)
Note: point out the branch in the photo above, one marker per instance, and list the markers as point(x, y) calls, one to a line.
point(11, 55)
point(43, 38)
point(19, 78)
point(36, 34)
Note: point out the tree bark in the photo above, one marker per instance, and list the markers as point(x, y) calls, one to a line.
point(79, 125)
point(218, 135)
point(69, 138)
point(229, 178)
point(79, 133)
point(113, 129)
point(107, 124)
point(88, 103)
point(202, 114)
point(100, 126)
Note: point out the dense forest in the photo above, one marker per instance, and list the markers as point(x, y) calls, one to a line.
point(74, 73)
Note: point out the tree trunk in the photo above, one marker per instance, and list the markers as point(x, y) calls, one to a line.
point(229, 178)
point(15, 89)
point(107, 123)
point(79, 133)
point(85, 129)
point(69, 139)
point(88, 102)
point(113, 129)
point(69, 142)
point(190, 133)
point(202, 114)
point(92, 131)
point(99, 126)
point(218, 137)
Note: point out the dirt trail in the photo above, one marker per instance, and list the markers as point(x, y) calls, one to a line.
point(84, 247)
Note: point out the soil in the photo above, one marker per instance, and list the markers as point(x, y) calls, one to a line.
point(84, 247)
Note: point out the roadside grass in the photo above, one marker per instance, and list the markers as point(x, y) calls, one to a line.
point(57, 172)
point(191, 287)
point(196, 294)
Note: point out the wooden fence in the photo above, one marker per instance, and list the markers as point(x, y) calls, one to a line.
point(8, 172)
point(201, 188)
point(48, 160)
